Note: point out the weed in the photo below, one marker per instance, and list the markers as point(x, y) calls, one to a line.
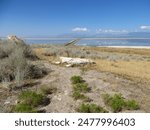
point(76, 79)
point(32, 98)
point(132, 105)
point(117, 103)
point(91, 108)
point(26, 108)
point(77, 95)
point(81, 87)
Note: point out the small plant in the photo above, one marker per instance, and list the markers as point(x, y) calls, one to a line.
point(132, 105)
point(81, 87)
point(91, 108)
point(48, 89)
point(77, 95)
point(32, 98)
point(117, 103)
point(76, 79)
point(21, 107)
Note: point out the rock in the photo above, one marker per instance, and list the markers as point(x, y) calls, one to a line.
point(6, 102)
point(73, 61)
point(69, 65)
point(57, 62)
point(15, 39)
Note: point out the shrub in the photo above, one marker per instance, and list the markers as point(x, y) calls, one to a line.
point(77, 95)
point(132, 105)
point(81, 87)
point(35, 71)
point(91, 108)
point(76, 79)
point(15, 65)
point(24, 108)
point(117, 103)
point(32, 98)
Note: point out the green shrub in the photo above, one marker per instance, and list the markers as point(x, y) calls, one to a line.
point(117, 103)
point(81, 87)
point(91, 108)
point(32, 98)
point(26, 108)
point(76, 79)
point(132, 105)
point(77, 95)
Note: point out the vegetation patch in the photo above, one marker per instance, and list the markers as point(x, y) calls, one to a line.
point(77, 95)
point(132, 105)
point(81, 87)
point(26, 108)
point(16, 63)
point(77, 79)
point(29, 101)
point(91, 108)
point(117, 103)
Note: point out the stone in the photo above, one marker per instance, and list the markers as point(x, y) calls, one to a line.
point(74, 61)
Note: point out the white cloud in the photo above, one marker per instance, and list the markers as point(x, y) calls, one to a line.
point(110, 31)
point(145, 27)
point(79, 29)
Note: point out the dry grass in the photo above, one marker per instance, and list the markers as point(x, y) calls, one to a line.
point(130, 69)
point(122, 50)
point(39, 52)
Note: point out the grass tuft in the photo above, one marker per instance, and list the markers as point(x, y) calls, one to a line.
point(91, 108)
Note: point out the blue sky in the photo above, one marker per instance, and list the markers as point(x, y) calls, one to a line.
point(54, 17)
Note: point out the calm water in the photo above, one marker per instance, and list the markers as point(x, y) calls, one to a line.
point(92, 41)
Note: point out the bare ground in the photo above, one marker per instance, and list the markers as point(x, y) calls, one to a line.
point(99, 82)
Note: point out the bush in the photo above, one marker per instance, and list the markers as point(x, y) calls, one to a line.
point(117, 103)
point(91, 108)
point(31, 98)
point(24, 108)
point(77, 95)
point(132, 105)
point(29, 101)
point(15, 63)
point(81, 87)
point(76, 79)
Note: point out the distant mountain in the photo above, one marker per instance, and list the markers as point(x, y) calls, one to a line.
point(139, 34)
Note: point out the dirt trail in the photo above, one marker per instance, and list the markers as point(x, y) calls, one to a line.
point(99, 82)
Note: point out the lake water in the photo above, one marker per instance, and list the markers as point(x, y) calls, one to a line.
point(93, 41)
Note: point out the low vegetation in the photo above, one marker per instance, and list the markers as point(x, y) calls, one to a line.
point(76, 79)
point(77, 95)
point(29, 101)
point(91, 108)
point(16, 64)
point(118, 103)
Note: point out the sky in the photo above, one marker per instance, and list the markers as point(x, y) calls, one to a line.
point(55, 17)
